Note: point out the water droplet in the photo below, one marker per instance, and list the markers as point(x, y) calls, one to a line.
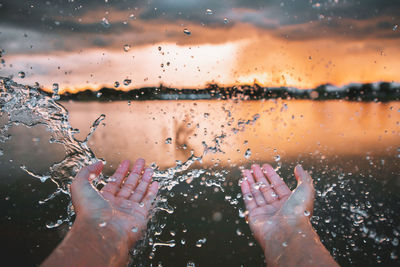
point(247, 154)
point(172, 233)
point(105, 23)
point(239, 232)
point(258, 185)
point(209, 12)
point(134, 229)
point(206, 115)
point(190, 264)
point(306, 213)
point(277, 158)
point(102, 224)
point(170, 243)
point(285, 244)
point(314, 94)
point(395, 27)
point(168, 140)
point(201, 242)
point(187, 32)
point(132, 16)
point(116, 84)
point(98, 94)
point(183, 241)
point(127, 82)
point(127, 47)
point(226, 21)
point(21, 74)
point(55, 96)
point(217, 216)
point(55, 88)
point(249, 197)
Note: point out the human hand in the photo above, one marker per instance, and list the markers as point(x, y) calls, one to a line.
point(122, 205)
point(274, 210)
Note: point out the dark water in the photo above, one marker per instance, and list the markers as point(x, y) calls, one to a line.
point(351, 148)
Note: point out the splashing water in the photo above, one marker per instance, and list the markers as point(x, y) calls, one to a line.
point(30, 106)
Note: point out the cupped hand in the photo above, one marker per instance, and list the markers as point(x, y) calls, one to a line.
point(122, 205)
point(272, 207)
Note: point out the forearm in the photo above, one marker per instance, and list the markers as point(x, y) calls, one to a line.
point(86, 245)
point(296, 246)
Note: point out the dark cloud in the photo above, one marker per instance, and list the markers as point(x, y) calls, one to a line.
point(43, 14)
point(289, 19)
point(340, 29)
point(54, 16)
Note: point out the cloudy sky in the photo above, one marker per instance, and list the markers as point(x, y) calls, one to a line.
point(189, 43)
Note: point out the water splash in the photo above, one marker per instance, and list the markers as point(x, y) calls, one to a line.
point(30, 106)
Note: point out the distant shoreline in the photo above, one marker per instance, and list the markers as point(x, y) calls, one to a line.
point(383, 91)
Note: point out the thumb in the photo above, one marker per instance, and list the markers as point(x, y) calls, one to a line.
point(302, 199)
point(81, 188)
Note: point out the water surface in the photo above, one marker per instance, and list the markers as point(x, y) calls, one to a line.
point(351, 148)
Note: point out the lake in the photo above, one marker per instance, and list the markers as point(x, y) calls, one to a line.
point(352, 150)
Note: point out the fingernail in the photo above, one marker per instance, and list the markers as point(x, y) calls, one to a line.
point(299, 168)
point(149, 171)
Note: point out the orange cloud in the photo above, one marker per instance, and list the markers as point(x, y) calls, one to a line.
point(236, 53)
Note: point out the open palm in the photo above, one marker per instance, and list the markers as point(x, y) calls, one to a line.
point(122, 204)
point(271, 204)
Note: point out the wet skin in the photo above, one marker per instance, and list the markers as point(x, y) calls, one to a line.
point(280, 219)
point(108, 222)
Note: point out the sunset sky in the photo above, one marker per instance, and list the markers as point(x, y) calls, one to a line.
point(300, 43)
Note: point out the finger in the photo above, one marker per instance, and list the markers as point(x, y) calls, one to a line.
point(138, 166)
point(81, 188)
point(302, 199)
point(141, 189)
point(276, 181)
point(129, 185)
point(116, 179)
point(258, 196)
point(264, 186)
point(150, 196)
point(86, 173)
point(249, 201)
point(301, 175)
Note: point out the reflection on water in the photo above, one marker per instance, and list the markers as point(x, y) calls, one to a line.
point(164, 132)
point(351, 148)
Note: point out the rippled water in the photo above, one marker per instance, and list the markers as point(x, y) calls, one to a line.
point(198, 148)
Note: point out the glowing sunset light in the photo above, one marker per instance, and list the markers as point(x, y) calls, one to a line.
point(293, 44)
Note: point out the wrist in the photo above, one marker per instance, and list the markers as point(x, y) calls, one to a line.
point(102, 231)
point(284, 233)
